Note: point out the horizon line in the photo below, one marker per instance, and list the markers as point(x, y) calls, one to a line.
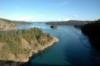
point(47, 20)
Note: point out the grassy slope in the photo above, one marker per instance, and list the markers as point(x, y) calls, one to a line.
point(17, 45)
point(21, 42)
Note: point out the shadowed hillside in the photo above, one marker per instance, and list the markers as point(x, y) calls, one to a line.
point(92, 30)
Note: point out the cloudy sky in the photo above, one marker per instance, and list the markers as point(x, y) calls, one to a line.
point(50, 10)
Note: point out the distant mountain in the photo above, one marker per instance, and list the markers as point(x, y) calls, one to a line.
point(70, 22)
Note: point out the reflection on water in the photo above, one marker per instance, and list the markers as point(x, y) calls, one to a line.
point(73, 48)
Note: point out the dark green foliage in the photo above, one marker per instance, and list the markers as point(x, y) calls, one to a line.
point(92, 30)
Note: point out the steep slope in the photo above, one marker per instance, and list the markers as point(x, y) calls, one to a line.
point(20, 45)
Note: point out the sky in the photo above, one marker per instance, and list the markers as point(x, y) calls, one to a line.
point(50, 10)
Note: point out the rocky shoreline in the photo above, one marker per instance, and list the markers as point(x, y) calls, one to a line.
point(54, 41)
point(27, 62)
point(49, 44)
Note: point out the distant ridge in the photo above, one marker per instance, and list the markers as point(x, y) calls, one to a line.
point(69, 22)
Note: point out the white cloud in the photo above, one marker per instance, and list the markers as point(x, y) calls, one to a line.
point(25, 18)
point(62, 19)
point(34, 19)
point(21, 18)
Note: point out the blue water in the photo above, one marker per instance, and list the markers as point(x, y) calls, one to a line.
point(73, 48)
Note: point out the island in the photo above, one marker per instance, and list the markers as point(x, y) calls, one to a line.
point(17, 47)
